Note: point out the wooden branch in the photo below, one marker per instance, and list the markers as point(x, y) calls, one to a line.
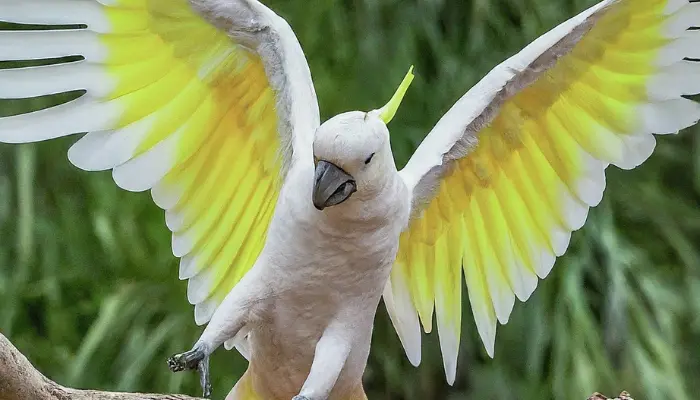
point(19, 380)
point(622, 396)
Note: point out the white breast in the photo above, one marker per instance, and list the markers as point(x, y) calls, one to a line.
point(320, 264)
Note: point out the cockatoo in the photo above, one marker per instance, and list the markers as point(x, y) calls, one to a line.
point(290, 231)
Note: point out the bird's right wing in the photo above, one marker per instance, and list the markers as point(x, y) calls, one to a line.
point(204, 102)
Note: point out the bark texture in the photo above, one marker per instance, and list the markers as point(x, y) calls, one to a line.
point(19, 380)
point(622, 396)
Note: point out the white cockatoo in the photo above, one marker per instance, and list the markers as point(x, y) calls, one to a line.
point(290, 231)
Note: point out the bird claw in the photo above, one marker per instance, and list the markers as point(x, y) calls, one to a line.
point(185, 361)
point(190, 360)
point(204, 380)
point(300, 398)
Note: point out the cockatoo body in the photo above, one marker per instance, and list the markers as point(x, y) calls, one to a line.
point(309, 301)
point(291, 231)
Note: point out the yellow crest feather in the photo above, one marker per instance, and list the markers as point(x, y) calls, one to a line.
point(387, 112)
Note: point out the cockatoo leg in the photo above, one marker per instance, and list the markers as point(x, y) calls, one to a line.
point(198, 359)
point(332, 352)
point(228, 319)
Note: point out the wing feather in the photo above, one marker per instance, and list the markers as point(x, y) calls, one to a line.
point(448, 296)
point(199, 102)
point(511, 170)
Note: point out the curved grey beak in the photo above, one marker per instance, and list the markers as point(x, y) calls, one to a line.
point(332, 185)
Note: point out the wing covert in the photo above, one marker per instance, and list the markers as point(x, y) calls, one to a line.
point(511, 170)
point(205, 103)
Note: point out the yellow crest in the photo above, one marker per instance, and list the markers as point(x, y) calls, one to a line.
point(387, 112)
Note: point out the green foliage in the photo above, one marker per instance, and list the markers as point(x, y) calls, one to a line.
point(89, 289)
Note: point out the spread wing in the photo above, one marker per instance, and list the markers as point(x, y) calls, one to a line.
point(204, 102)
point(511, 170)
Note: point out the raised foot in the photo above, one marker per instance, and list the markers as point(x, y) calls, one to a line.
point(187, 360)
point(193, 359)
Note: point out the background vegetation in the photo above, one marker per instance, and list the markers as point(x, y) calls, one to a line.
point(89, 289)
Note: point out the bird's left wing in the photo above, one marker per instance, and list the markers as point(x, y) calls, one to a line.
point(204, 102)
point(511, 170)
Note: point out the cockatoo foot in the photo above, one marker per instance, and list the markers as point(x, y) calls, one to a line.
point(194, 359)
point(300, 398)
point(187, 360)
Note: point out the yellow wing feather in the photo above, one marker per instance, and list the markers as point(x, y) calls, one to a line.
point(184, 111)
point(225, 167)
point(506, 209)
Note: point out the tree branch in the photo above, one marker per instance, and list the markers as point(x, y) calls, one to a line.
point(622, 396)
point(19, 380)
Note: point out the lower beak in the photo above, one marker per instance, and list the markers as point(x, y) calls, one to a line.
point(332, 185)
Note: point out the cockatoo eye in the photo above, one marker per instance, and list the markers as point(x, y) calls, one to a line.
point(369, 159)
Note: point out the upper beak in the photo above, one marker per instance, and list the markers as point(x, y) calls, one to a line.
point(332, 185)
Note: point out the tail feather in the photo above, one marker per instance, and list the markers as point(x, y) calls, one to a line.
point(243, 390)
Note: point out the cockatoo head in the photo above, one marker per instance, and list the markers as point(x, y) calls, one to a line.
point(352, 152)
